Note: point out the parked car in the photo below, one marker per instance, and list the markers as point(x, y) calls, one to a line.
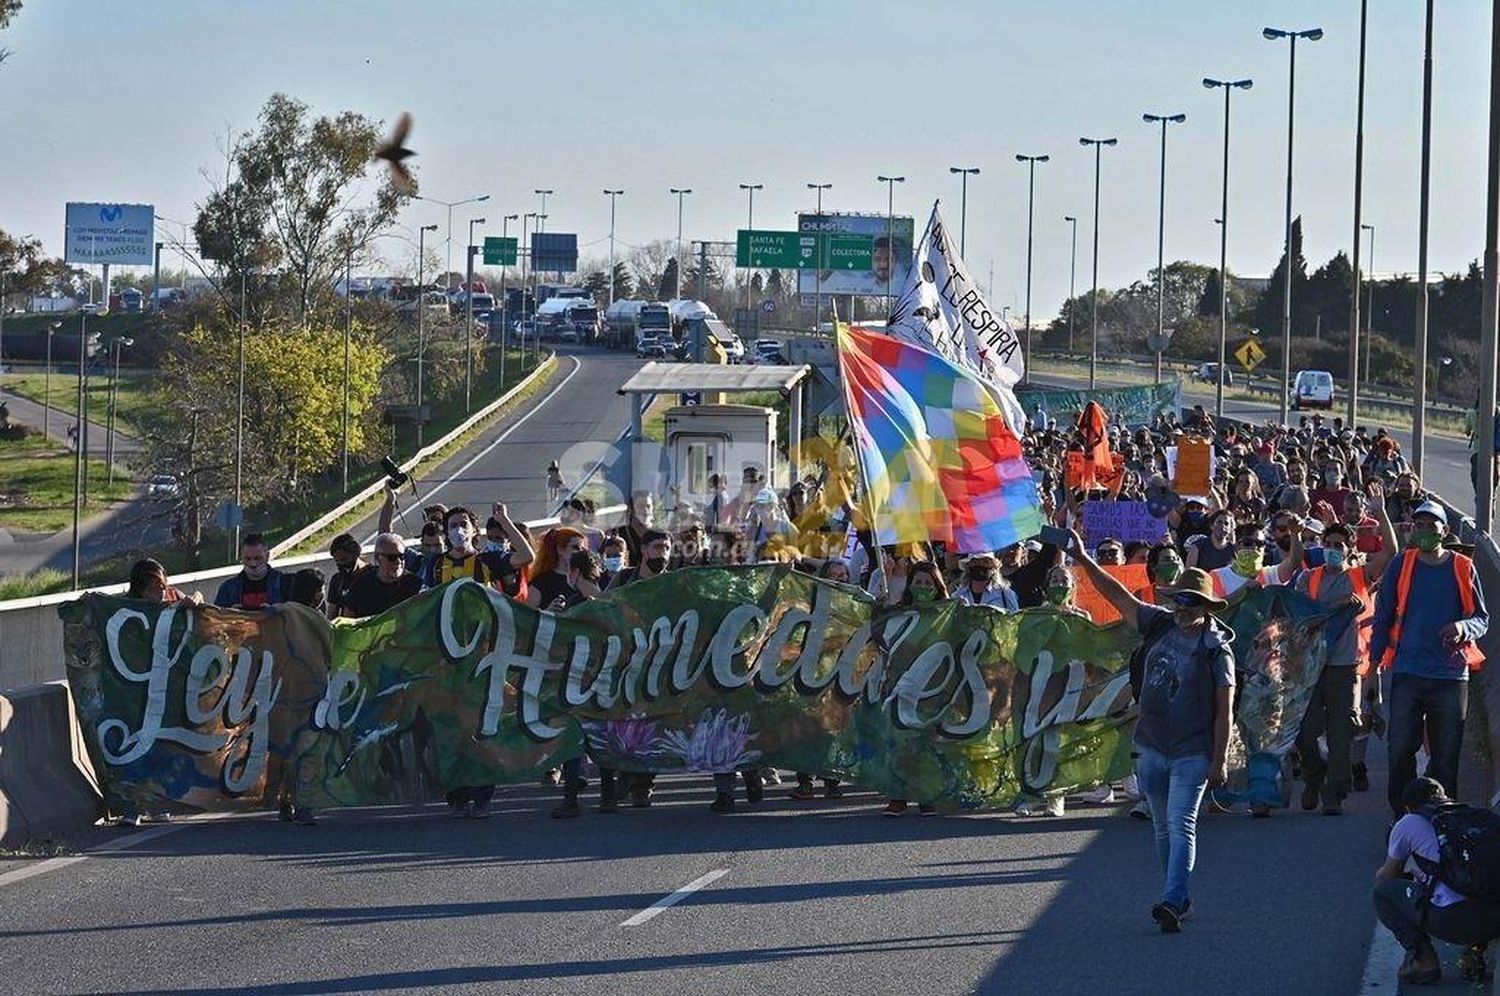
point(1312, 389)
point(767, 351)
point(162, 486)
point(1209, 374)
point(651, 348)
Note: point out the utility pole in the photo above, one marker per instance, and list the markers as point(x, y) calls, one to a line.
point(890, 240)
point(1489, 340)
point(612, 194)
point(1419, 405)
point(1161, 234)
point(1072, 279)
point(1359, 192)
point(1098, 144)
point(1030, 162)
point(468, 337)
point(963, 203)
point(822, 257)
point(348, 331)
point(421, 322)
point(750, 188)
point(1228, 86)
point(681, 192)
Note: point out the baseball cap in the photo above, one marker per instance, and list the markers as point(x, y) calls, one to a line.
point(1433, 509)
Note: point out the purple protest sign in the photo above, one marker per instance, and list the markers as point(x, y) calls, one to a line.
point(1121, 520)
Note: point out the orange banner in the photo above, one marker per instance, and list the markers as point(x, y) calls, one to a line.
point(1134, 577)
point(1193, 467)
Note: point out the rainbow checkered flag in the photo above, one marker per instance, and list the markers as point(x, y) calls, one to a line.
point(936, 448)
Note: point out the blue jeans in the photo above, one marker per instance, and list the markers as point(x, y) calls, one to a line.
point(1173, 786)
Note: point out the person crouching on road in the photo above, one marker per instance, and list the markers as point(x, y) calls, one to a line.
point(1185, 708)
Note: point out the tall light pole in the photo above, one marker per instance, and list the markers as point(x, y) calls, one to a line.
point(117, 344)
point(890, 225)
point(504, 303)
point(1030, 162)
point(1419, 402)
point(448, 251)
point(1228, 86)
point(1275, 34)
point(1359, 198)
point(1072, 278)
point(239, 424)
point(348, 332)
point(750, 188)
point(541, 226)
point(964, 173)
point(612, 194)
point(526, 283)
point(1161, 233)
point(421, 321)
point(1098, 144)
point(1370, 300)
point(680, 193)
point(47, 383)
point(469, 318)
point(822, 256)
point(1489, 319)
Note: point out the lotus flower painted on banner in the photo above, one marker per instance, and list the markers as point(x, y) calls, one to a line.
point(714, 743)
point(633, 736)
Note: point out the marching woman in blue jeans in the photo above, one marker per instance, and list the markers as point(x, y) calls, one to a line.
point(1185, 701)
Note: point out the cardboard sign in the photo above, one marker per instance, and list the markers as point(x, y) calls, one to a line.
point(1194, 471)
point(1076, 474)
point(1121, 520)
point(1134, 577)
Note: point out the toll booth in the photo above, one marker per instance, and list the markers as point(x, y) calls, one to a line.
point(709, 435)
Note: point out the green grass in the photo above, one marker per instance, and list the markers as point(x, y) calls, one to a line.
point(37, 481)
point(132, 399)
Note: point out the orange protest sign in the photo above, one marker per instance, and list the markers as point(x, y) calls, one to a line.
point(1134, 577)
point(1193, 467)
point(1111, 478)
point(1076, 474)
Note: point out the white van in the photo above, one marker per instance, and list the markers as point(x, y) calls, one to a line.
point(1312, 389)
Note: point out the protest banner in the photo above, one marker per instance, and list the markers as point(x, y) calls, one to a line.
point(1193, 467)
point(1134, 577)
point(1127, 406)
point(194, 708)
point(1122, 520)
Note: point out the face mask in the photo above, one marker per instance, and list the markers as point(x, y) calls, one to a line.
point(1332, 480)
point(656, 564)
point(493, 546)
point(458, 536)
point(1284, 543)
point(981, 574)
point(613, 563)
point(1427, 542)
point(256, 573)
point(1247, 562)
point(1058, 594)
point(1167, 571)
point(924, 594)
point(1333, 559)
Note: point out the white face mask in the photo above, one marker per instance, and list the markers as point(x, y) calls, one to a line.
point(459, 537)
point(613, 563)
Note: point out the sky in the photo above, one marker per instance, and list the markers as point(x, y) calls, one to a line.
point(130, 100)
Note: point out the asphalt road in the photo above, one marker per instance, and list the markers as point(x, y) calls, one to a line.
point(810, 898)
point(575, 420)
point(1447, 458)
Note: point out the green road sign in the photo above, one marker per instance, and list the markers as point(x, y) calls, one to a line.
point(499, 251)
point(803, 250)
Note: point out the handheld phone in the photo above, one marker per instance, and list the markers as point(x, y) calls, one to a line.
point(1055, 537)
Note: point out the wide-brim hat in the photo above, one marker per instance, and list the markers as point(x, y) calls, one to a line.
point(1196, 581)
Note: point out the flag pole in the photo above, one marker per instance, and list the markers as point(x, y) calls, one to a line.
point(867, 504)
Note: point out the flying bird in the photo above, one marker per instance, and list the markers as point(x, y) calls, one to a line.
point(394, 152)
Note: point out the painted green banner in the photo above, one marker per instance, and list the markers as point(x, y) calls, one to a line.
point(708, 669)
point(1130, 406)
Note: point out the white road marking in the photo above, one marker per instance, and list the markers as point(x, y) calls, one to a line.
point(1384, 959)
point(668, 901)
point(432, 491)
point(122, 843)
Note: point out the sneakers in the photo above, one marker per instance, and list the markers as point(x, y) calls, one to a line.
point(640, 799)
point(1131, 786)
point(926, 809)
point(1024, 808)
point(755, 789)
point(1056, 806)
point(1310, 795)
point(831, 790)
point(567, 809)
point(552, 777)
point(1141, 811)
point(802, 793)
point(770, 776)
point(1361, 777)
point(129, 820)
point(302, 816)
point(896, 807)
point(1168, 917)
point(1333, 807)
point(723, 803)
point(1101, 796)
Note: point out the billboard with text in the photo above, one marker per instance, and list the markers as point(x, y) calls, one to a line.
point(891, 256)
point(123, 234)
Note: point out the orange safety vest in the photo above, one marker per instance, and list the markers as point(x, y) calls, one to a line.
point(1463, 574)
point(1362, 618)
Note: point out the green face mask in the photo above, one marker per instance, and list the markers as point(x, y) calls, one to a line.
point(1427, 542)
point(1167, 571)
point(924, 594)
point(1059, 594)
point(1247, 562)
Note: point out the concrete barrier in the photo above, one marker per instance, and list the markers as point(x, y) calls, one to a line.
point(47, 785)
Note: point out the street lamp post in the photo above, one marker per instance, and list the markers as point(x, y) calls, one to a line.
point(1437, 373)
point(114, 394)
point(468, 336)
point(1419, 405)
point(1370, 303)
point(1161, 233)
point(448, 250)
point(541, 226)
point(536, 339)
point(1030, 162)
point(1098, 144)
point(1275, 34)
point(681, 192)
point(890, 224)
point(78, 465)
point(612, 194)
point(1359, 193)
point(1072, 278)
point(348, 332)
point(239, 422)
point(750, 188)
point(964, 173)
point(822, 256)
point(1228, 86)
point(421, 321)
point(526, 284)
point(504, 303)
point(47, 383)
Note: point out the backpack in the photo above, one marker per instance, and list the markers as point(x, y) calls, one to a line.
point(1468, 850)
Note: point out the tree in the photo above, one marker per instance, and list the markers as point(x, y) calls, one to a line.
point(1268, 309)
point(649, 263)
point(8, 11)
point(289, 201)
point(624, 283)
point(666, 287)
point(596, 282)
point(293, 406)
point(1327, 298)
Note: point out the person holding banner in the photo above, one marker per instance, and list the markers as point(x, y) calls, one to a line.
point(914, 584)
point(1186, 704)
point(982, 584)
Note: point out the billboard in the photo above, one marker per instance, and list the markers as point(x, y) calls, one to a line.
point(893, 261)
point(110, 233)
point(554, 252)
